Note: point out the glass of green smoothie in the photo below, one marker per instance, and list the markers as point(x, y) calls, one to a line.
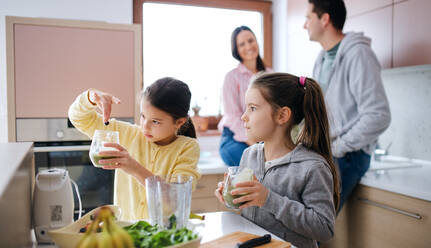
point(235, 176)
point(101, 137)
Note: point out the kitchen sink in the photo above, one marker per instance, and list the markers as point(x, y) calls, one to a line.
point(392, 162)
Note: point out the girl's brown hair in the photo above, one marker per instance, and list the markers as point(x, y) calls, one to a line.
point(306, 103)
point(172, 96)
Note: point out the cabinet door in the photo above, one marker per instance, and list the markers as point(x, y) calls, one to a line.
point(411, 35)
point(377, 218)
point(380, 34)
point(206, 186)
point(355, 7)
point(203, 199)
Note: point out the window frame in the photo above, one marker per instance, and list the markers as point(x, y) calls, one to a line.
point(264, 7)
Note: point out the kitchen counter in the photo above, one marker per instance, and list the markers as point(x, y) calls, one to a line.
point(211, 163)
point(16, 182)
point(410, 177)
point(217, 224)
point(11, 157)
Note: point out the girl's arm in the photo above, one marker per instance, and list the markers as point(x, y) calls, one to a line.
point(83, 115)
point(187, 162)
point(315, 217)
point(123, 160)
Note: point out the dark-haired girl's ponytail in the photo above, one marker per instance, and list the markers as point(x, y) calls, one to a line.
point(187, 129)
point(315, 132)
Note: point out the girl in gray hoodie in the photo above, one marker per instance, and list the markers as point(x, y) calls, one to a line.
point(295, 190)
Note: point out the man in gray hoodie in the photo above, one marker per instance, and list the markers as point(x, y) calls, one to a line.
point(349, 74)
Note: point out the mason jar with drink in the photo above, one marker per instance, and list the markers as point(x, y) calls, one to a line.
point(100, 138)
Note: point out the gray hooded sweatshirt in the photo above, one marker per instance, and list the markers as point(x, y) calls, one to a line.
point(358, 109)
point(300, 206)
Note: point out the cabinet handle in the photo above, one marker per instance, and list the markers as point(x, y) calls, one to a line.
point(380, 205)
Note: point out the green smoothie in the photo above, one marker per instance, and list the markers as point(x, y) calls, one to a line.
point(228, 199)
point(235, 177)
point(96, 157)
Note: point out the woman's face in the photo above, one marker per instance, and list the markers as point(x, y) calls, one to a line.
point(157, 125)
point(247, 45)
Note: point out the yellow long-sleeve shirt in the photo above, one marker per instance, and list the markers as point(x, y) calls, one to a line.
point(178, 158)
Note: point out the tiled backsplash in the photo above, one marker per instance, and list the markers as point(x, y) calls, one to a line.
point(409, 92)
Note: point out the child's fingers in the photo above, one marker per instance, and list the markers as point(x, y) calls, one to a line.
point(218, 194)
point(107, 108)
point(110, 167)
point(96, 97)
point(246, 184)
point(111, 153)
point(116, 100)
point(114, 145)
point(243, 190)
point(111, 161)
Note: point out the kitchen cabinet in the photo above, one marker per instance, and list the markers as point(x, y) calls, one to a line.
point(411, 40)
point(355, 7)
point(203, 199)
point(378, 218)
point(381, 34)
point(16, 190)
point(67, 57)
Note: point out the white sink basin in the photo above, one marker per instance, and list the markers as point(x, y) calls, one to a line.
point(392, 162)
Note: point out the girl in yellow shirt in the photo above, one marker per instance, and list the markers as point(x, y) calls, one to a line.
point(163, 143)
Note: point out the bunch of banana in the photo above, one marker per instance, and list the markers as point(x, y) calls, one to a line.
point(112, 236)
point(196, 216)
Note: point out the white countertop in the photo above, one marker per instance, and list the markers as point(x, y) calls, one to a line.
point(211, 163)
point(410, 177)
point(217, 224)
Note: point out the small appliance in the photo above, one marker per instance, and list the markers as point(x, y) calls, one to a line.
point(53, 202)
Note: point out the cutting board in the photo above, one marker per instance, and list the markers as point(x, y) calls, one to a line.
point(230, 240)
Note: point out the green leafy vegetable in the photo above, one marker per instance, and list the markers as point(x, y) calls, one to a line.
point(145, 235)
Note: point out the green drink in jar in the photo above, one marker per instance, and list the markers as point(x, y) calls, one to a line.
point(234, 177)
point(101, 137)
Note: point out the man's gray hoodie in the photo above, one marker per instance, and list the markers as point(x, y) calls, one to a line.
point(300, 206)
point(355, 98)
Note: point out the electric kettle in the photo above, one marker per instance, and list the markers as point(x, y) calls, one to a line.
point(53, 202)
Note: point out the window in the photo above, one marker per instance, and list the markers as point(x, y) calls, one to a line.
point(192, 43)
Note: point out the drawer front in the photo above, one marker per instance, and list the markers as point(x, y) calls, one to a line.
point(206, 186)
point(204, 205)
point(378, 218)
point(390, 219)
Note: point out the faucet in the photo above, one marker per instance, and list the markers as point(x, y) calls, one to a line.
point(379, 152)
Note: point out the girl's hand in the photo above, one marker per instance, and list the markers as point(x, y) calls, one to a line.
point(219, 191)
point(121, 159)
point(255, 193)
point(104, 102)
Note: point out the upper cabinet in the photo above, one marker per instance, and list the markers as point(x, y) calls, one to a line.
point(381, 34)
point(355, 7)
point(412, 38)
point(398, 30)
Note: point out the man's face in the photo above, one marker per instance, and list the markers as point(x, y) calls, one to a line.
point(313, 24)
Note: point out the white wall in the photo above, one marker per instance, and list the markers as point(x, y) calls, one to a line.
point(279, 39)
point(113, 11)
